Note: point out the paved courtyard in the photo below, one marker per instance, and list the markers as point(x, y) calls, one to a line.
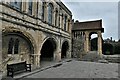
point(79, 69)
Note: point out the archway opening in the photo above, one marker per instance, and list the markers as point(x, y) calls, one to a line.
point(93, 37)
point(47, 51)
point(65, 48)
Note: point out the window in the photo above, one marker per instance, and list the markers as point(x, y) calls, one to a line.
point(60, 18)
point(16, 46)
point(30, 7)
point(65, 21)
point(50, 10)
point(13, 46)
point(16, 4)
point(43, 10)
point(56, 15)
point(68, 25)
point(10, 45)
point(59, 21)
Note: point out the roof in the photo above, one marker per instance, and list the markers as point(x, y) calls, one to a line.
point(88, 25)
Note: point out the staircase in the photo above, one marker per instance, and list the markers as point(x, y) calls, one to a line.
point(113, 58)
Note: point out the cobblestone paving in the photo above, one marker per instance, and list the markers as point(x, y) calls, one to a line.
point(79, 69)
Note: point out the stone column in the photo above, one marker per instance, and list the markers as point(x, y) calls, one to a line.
point(87, 42)
point(40, 9)
point(53, 17)
point(57, 53)
point(46, 13)
point(57, 56)
point(68, 54)
point(60, 22)
point(36, 60)
point(34, 8)
point(24, 7)
point(100, 43)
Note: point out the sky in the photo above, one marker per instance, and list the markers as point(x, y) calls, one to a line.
point(87, 10)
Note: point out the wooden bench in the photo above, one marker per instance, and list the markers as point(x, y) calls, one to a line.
point(17, 68)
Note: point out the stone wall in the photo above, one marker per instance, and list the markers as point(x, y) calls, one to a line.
point(77, 47)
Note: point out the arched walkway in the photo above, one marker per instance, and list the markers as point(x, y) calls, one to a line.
point(96, 43)
point(64, 50)
point(48, 49)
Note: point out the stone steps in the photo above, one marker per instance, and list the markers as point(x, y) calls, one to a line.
point(113, 59)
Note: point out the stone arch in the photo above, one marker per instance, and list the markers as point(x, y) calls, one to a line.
point(26, 47)
point(93, 42)
point(64, 49)
point(28, 35)
point(99, 40)
point(48, 49)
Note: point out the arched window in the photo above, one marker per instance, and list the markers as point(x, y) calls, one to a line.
point(68, 25)
point(13, 46)
point(65, 21)
point(30, 7)
point(16, 4)
point(43, 10)
point(50, 13)
point(10, 45)
point(56, 17)
point(16, 46)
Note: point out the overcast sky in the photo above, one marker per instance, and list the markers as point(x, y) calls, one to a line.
point(107, 10)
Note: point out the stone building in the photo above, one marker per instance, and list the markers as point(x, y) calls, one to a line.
point(81, 37)
point(34, 31)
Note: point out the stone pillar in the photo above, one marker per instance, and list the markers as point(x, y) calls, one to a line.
point(36, 60)
point(36, 55)
point(87, 42)
point(46, 13)
point(62, 22)
point(24, 7)
point(68, 54)
point(53, 17)
point(100, 43)
point(34, 8)
point(57, 56)
point(39, 9)
point(57, 53)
